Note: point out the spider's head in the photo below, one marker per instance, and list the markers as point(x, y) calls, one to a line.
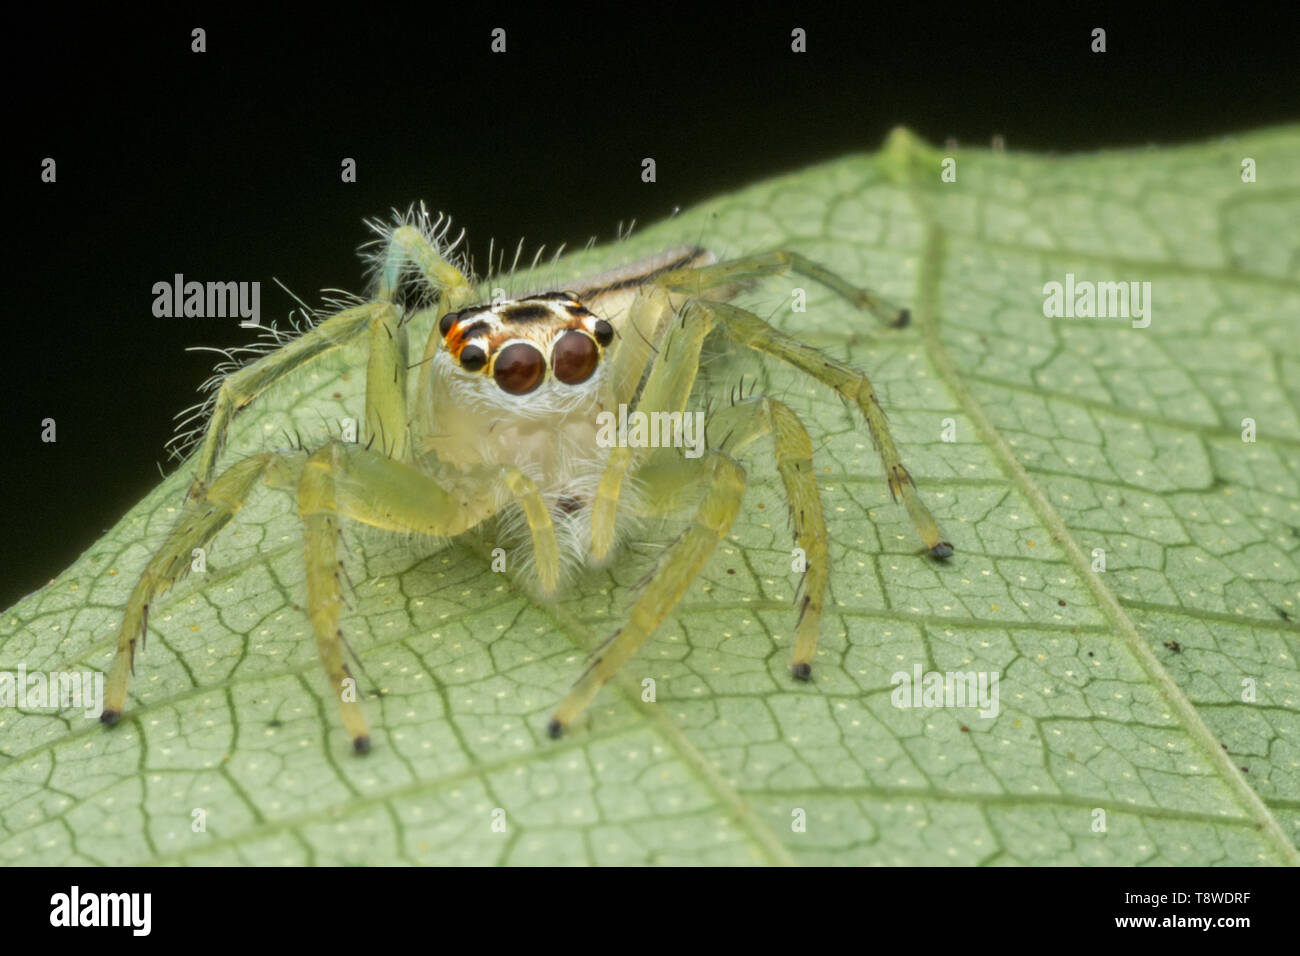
point(520, 343)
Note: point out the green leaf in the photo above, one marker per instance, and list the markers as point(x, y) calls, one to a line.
point(1120, 691)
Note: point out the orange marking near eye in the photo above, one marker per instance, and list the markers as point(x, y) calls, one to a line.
point(456, 337)
point(455, 341)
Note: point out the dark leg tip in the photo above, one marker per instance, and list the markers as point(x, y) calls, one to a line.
point(555, 729)
point(802, 671)
point(361, 745)
point(941, 550)
point(903, 318)
point(109, 717)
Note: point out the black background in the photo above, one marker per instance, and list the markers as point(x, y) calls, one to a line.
point(225, 165)
point(934, 908)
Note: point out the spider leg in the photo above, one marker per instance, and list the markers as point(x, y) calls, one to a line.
point(335, 481)
point(376, 490)
point(724, 479)
point(747, 329)
point(667, 389)
point(373, 489)
point(699, 280)
point(319, 509)
point(386, 423)
point(647, 315)
point(408, 246)
point(651, 312)
point(745, 423)
point(386, 366)
point(240, 388)
point(200, 520)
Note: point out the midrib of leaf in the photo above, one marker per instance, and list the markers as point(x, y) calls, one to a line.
point(926, 315)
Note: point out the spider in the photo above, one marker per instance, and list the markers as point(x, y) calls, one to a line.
point(502, 420)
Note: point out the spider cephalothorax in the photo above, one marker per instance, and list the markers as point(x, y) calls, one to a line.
point(503, 421)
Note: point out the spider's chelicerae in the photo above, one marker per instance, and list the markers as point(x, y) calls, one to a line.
point(504, 418)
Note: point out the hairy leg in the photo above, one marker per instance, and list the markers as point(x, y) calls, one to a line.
point(407, 249)
point(199, 522)
point(335, 481)
point(679, 566)
point(747, 329)
point(667, 388)
point(651, 314)
point(240, 388)
point(735, 429)
point(368, 487)
point(707, 278)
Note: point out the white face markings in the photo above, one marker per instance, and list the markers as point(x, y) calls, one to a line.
point(520, 342)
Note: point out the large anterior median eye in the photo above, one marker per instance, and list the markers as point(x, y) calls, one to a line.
point(574, 357)
point(519, 368)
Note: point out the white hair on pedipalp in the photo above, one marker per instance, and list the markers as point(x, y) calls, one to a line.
point(383, 255)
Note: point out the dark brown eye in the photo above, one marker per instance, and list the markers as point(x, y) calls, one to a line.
point(574, 357)
point(446, 322)
point(519, 369)
point(604, 332)
point(472, 358)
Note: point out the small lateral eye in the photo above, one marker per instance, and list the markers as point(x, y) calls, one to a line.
point(472, 358)
point(446, 322)
point(574, 357)
point(604, 332)
point(519, 368)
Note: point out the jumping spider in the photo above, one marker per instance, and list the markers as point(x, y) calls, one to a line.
point(502, 419)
